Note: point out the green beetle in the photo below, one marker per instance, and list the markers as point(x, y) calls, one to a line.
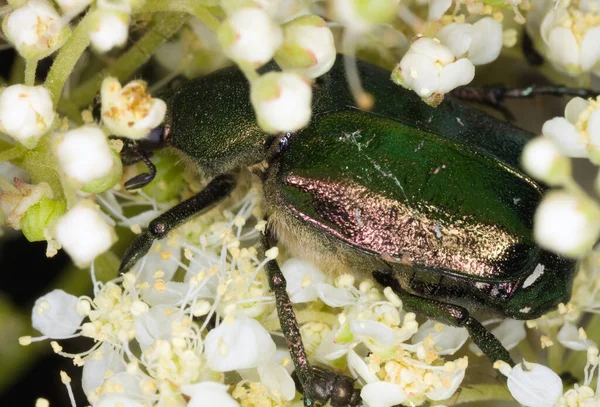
point(430, 201)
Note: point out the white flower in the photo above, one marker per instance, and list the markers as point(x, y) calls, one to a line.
point(531, 384)
point(571, 37)
point(26, 113)
point(55, 314)
point(84, 154)
point(129, 111)
point(250, 36)
point(302, 278)
point(431, 70)
point(570, 337)
point(238, 343)
point(155, 324)
point(101, 361)
point(208, 394)
point(36, 29)
point(73, 7)
point(361, 15)
point(281, 101)
point(84, 234)
point(307, 46)
point(448, 339)
point(578, 133)
point(567, 224)
point(543, 160)
point(109, 29)
point(481, 42)
point(276, 378)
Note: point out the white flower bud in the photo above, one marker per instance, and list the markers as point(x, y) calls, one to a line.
point(109, 29)
point(84, 154)
point(360, 15)
point(129, 111)
point(282, 101)
point(26, 113)
point(55, 314)
point(250, 36)
point(481, 42)
point(84, 234)
point(431, 70)
point(36, 29)
point(543, 160)
point(73, 7)
point(307, 45)
point(567, 224)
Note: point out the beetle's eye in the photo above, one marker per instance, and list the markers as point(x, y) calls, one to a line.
point(155, 140)
point(156, 135)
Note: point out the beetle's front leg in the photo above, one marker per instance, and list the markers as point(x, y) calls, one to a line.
point(449, 314)
point(216, 190)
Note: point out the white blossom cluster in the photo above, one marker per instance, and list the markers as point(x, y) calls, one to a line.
point(153, 345)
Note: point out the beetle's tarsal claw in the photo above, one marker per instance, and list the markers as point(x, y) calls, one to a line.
point(138, 249)
point(139, 181)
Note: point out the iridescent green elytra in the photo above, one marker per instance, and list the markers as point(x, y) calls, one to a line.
point(430, 201)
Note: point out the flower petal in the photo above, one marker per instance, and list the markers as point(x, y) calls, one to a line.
point(456, 74)
point(447, 340)
point(208, 394)
point(382, 394)
point(538, 386)
point(55, 314)
point(240, 343)
point(566, 136)
point(301, 277)
point(333, 296)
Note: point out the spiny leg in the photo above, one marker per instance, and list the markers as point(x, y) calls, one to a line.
point(287, 320)
point(317, 385)
point(449, 314)
point(495, 95)
point(217, 189)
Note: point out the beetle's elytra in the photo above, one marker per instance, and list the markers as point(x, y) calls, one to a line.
point(431, 201)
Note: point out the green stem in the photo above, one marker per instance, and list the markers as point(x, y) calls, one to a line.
point(17, 71)
point(30, 68)
point(555, 353)
point(67, 58)
point(193, 7)
point(12, 153)
point(479, 392)
point(167, 24)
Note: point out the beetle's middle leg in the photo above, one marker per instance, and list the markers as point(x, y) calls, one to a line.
point(317, 384)
point(449, 314)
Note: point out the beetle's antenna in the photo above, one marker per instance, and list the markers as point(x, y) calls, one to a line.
point(363, 99)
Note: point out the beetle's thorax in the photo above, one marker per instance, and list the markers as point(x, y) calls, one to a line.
point(213, 123)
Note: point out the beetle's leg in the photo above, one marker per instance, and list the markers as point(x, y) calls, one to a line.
point(288, 322)
point(449, 314)
point(143, 179)
point(494, 95)
point(337, 389)
point(218, 189)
